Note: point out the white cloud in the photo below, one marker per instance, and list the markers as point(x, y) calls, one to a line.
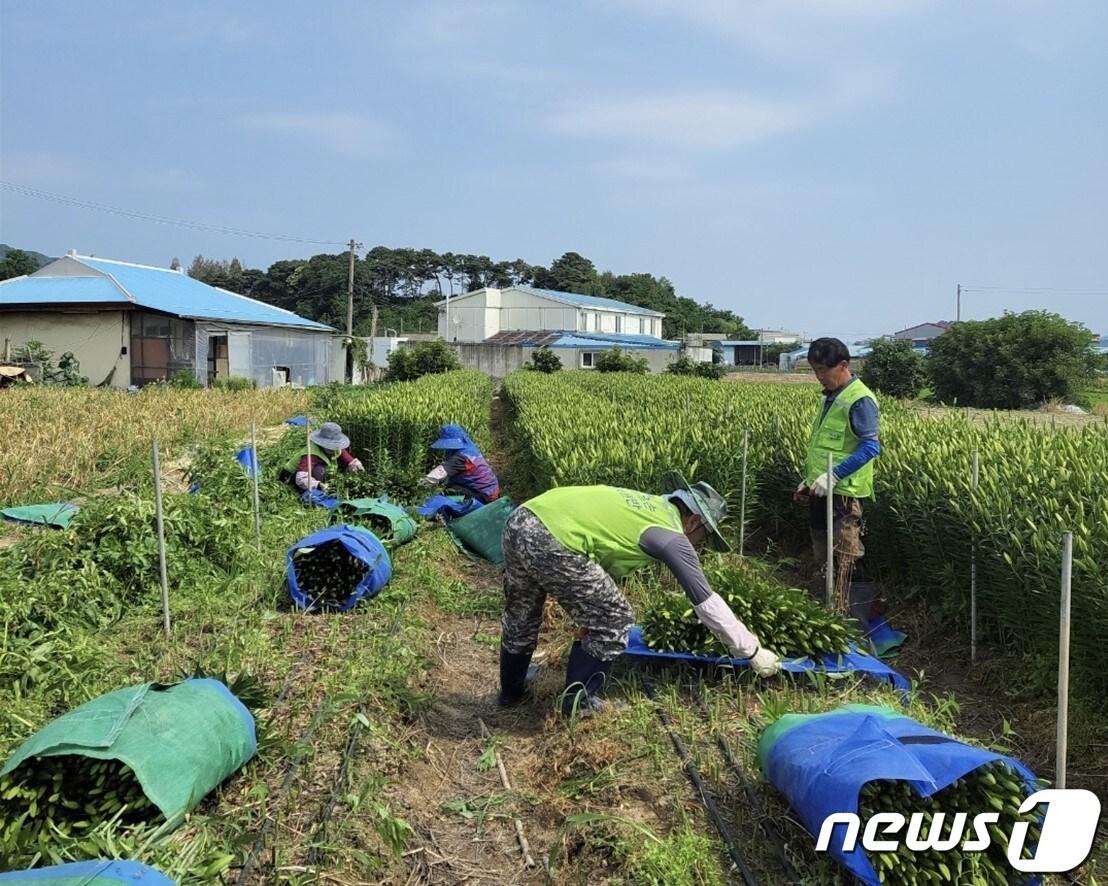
point(347, 134)
point(706, 120)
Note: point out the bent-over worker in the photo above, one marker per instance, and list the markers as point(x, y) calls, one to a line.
point(573, 541)
point(329, 446)
point(463, 469)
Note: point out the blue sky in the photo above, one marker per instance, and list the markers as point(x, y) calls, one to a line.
point(829, 165)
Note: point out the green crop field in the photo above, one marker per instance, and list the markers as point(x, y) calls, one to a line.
point(380, 746)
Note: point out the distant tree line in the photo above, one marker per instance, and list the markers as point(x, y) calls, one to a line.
point(405, 284)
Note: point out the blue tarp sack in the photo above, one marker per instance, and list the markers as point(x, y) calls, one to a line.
point(852, 662)
point(90, 873)
point(245, 457)
point(319, 499)
point(363, 546)
point(297, 421)
point(447, 506)
point(820, 762)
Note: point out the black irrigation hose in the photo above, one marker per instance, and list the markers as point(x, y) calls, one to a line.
point(705, 796)
point(286, 786)
point(340, 779)
point(752, 798)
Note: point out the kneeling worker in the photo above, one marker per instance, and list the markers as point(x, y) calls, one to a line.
point(328, 446)
point(572, 541)
point(463, 469)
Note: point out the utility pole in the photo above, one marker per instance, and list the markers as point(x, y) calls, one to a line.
point(958, 318)
point(350, 314)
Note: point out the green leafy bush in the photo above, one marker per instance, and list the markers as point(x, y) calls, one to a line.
point(617, 360)
point(684, 366)
point(1012, 362)
point(184, 379)
point(235, 384)
point(543, 360)
point(895, 369)
point(426, 358)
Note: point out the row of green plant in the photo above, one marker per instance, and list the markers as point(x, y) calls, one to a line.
point(1035, 484)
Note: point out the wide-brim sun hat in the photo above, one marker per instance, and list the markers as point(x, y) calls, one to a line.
point(330, 437)
point(702, 500)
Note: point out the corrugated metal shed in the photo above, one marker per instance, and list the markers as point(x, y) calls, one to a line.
point(142, 286)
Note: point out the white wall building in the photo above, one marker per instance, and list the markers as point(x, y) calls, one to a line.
point(479, 315)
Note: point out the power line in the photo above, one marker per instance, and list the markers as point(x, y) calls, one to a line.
point(26, 191)
point(1034, 290)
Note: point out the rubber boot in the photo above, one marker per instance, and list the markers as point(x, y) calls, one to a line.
point(585, 677)
point(516, 676)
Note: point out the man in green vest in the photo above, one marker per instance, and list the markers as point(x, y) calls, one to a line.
point(572, 542)
point(847, 427)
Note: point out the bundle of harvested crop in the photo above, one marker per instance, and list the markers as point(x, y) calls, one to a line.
point(66, 796)
point(786, 620)
point(991, 788)
point(328, 574)
point(336, 567)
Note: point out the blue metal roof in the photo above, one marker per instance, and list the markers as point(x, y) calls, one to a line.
point(60, 291)
point(142, 286)
point(613, 340)
point(730, 343)
point(592, 301)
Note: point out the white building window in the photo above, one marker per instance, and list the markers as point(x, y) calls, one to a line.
point(588, 359)
point(619, 323)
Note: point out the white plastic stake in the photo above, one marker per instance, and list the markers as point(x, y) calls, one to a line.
point(1064, 663)
point(974, 474)
point(254, 473)
point(161, 531)
point(308, 435)
point(830, 584)
point(742, 499)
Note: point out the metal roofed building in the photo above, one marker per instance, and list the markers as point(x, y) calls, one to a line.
point(131, 324)
point(479, 315)
point(509, 350)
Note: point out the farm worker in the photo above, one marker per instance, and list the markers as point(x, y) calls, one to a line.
point(463, 468)
point(847, 426)
point(573, 541)
point(328, 446)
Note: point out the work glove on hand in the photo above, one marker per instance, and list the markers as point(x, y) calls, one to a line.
point(356, 467)
point(822, 485)
point(765, 663)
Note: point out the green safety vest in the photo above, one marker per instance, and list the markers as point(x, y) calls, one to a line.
point(316, 452)
point(604, 522)
point(832, 433)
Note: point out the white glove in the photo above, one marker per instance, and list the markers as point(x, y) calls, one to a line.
point(823, 484)
point(437, 475)
point(765, 663)
point(306, 481)
point(356, 467)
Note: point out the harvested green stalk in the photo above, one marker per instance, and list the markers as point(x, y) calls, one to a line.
point(786, 620)
point(991, 788)
point(65, 796)
point(328, 574)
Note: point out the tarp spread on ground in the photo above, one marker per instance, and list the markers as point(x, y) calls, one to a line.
point(856, 662)
point(820, 762)
point(58, 514)
point(359, 543)
point(297, 421)
point(181, 740)
point(319, 499)
point(90, 873)
point(883, 637)
point(448, 506)
point(388, 520)
point(478, 533)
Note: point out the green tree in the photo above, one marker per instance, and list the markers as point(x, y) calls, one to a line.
point(617, 360)
point(426, 358)
point(543, 360)
point(17, 263)
point(893, 368)
point(1011, 362)
point(570, 273)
